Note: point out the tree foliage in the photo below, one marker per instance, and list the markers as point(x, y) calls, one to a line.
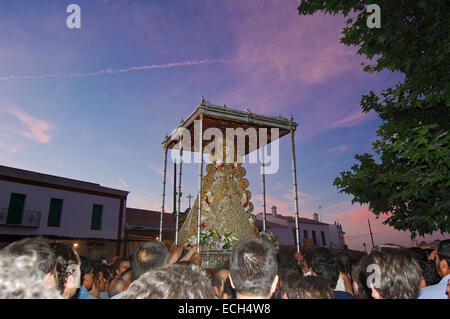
point(409, 179)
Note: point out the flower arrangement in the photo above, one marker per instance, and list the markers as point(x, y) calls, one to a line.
point(270, 237)
point(212, 240)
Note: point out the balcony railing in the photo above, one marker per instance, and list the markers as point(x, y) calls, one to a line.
point(30, 218)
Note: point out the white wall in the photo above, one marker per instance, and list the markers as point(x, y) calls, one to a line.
point(75, 216)
point(318, 229)
point(335, 237)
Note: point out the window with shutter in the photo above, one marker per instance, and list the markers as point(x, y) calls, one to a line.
point(54, 213)
point(15, 209)
point(96, 221)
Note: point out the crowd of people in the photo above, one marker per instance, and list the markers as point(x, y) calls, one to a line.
point(33, 268)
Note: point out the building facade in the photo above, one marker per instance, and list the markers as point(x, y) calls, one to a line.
point(143, 225)
point(313, 233)
point(86, 214)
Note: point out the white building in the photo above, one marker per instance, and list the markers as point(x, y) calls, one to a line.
point(90, 216)
point(312, 233)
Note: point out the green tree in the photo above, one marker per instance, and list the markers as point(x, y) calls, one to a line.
point(408, 179)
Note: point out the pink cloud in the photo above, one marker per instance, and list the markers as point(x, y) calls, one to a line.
point(355, 224)
point(353, 119)
point(279, 56)
point(35, 128)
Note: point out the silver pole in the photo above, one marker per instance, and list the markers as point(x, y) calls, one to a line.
point(200, 177)
point(163, 193)
point(180, 154)
point(263, 189)
point(294, 175)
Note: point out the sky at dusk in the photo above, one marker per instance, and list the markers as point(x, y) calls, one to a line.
point(95, 103)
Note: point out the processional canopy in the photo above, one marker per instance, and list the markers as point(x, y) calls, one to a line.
point(225, 207)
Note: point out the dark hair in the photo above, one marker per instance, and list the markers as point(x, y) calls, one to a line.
point(228, 289)
point(85, 267)
point(253, 266)
point(310, 287)
point(171, 282)
point(307, 255)
point(400, 273)
point(429, 273)
point(37, 246)
point(325, 265)
point(290, 278)
point(117, 285)
point(150, 255)
point(443, 251)
point(217, 279)
point(344, 263)
point(118, 262)
point(419, 254)
point(359, 276)
point(65, 256)
point(128, 274)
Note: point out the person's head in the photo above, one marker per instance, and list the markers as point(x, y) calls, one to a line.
point(86, 273)
point(228, 291)
point(310, 287)
point(101, 275)
point(218, 280)
point(120, 265)
point(40, 248)
point(429, 272)
point(399, 273)
point(21, 278)
point(324, 265)
point(253, 268)
point(128, 275)
point(117, 285)
point(171, 282)
point(418, 253)
point(359, 279)
point(67, 269)
point(443, 258)
point(307, 261)
point(344, 262)
point(430, 275)
point(151, 255)
point(290, 278)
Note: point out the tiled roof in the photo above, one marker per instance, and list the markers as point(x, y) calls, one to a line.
point(148, 218)
point(21, 174)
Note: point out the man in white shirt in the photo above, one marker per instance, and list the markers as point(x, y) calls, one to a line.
point(442, 259)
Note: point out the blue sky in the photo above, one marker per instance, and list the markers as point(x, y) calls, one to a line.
point(72, 105)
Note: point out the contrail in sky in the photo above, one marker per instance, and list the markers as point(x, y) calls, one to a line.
point(109, 71)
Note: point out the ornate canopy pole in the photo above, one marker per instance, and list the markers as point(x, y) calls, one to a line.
point(200, 177)
point(294, 176)
point(163, 193)
point(180, 155)
point(263, 188)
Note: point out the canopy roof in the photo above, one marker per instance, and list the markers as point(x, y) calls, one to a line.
point(223, 117)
